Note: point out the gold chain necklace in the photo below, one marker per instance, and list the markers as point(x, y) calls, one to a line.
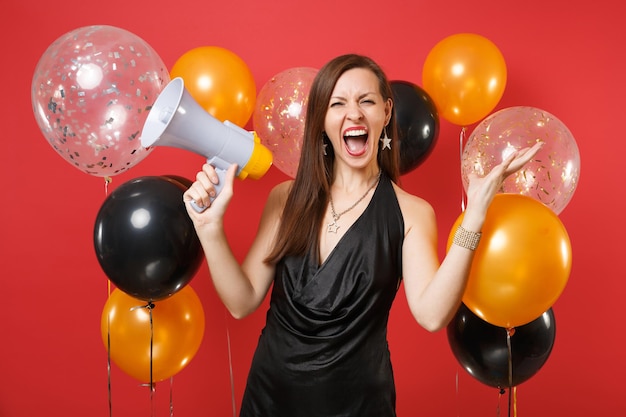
point(333, 226)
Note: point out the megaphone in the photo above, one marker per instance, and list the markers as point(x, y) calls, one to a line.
point(177, 120)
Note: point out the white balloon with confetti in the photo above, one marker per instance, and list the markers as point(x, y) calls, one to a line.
point(91, 93)
point(279, 115)
point(550, 177)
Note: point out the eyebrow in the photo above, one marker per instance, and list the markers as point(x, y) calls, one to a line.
point(360, 97)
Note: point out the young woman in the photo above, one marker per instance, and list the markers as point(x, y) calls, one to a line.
point(334, 244)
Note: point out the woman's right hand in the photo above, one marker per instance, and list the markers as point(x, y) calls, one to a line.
point(203, 193)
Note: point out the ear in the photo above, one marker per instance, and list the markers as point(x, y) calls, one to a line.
point(388, 108)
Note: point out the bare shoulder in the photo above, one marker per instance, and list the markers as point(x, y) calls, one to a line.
point(411, 204)
point(417, 212)
point(279, 193)
point(277, 198)
point(270, 219)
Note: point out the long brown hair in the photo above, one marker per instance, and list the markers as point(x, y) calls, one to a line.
point(306, 204)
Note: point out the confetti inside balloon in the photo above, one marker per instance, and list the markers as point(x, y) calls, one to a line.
point(91, 93)
point(280, 114)
point(553, 174)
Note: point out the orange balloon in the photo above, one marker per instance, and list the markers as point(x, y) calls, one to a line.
point(177, 331)
point(522, 263)
point(220, 81)
point(465, 75)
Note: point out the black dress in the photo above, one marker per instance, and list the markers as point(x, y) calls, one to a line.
point(323, 351)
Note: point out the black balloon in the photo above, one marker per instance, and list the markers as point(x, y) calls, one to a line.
point(144, 239)
point(482, 348)
point(185, 182)
point(418, 123)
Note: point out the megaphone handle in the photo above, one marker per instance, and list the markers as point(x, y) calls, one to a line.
point(221, 175)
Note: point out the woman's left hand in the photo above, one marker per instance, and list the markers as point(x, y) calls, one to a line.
point(481, 190)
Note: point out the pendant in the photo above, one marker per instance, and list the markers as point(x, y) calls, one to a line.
point(333, 227)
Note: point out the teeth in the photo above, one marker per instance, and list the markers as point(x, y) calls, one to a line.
point(356, 132)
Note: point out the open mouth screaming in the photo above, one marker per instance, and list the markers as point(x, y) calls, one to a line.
point(355, 141)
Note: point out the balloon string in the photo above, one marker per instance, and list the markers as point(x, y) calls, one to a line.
point(109, 360)
point(150, 306)
point(172, 396)
point(461, 144)
point(510, 332)
point(515, 401)
point(230, 366)
point(509, 401)
point(456, 387)
point(501, 392)
point(107, 181)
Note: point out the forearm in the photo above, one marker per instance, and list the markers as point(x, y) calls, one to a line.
point(232, 284)
point(435, 290)
point(441, 297)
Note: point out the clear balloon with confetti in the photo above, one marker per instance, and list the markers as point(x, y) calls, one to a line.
point(551, 177)
point(280, 113)
point(91, 93)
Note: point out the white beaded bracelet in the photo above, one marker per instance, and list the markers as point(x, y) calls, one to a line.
point(466, 239)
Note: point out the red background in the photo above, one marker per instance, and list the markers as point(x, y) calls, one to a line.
point(564, 57)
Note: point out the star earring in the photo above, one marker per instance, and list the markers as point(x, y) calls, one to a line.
point(386, 140)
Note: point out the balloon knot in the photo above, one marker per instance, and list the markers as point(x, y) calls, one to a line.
point(149, 306)
point(152, 386)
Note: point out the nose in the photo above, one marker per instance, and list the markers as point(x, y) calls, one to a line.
point(354, 112)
